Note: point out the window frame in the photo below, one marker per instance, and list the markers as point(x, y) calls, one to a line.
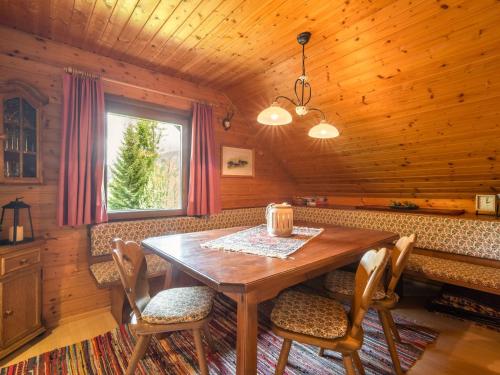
point(149, 111)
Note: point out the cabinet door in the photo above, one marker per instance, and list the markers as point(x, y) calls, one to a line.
point(20, 305)
point(20, 123)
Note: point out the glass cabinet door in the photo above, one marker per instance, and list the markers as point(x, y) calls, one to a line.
point(20, 140)
point(28, 140)
point(12, 141)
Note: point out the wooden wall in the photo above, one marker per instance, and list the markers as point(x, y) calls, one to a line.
point(413, 86)
point(68, 287)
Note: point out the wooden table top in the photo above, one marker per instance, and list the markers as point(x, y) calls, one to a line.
point(228, 271)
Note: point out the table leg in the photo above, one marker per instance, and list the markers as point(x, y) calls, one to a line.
point(171, 279)
point(170, 275)
point(246, 345)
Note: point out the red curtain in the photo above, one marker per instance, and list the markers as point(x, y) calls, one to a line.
point(81, 197)
point(204, 190)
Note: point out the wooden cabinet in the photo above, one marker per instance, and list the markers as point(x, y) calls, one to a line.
point(20, 132)
point(20, 295)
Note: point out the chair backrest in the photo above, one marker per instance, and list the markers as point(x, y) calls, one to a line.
point(399, 258)
point(131, 263)
point(368, 275)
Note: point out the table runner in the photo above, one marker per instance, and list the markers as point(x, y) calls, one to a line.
point(257, 241)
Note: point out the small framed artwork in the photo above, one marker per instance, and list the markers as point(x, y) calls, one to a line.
point(487, 204)
point(237, 162)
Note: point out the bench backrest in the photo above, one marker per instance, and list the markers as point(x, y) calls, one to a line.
point(477, 238)
point(102, 235)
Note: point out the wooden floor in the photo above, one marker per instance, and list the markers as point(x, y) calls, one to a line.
point(461, 348)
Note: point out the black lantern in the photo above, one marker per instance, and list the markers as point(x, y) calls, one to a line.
point(16, 231)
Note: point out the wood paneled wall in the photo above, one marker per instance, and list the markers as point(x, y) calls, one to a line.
point(68, 288)
point(413, 87)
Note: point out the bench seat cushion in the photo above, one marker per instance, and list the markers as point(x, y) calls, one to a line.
point(452, 270)
point(106, 273)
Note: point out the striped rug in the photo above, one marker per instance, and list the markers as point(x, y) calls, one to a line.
point(108, 353)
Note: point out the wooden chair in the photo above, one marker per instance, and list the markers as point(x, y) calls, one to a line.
point(170, 310)
point(340, 284)
point(322, 321)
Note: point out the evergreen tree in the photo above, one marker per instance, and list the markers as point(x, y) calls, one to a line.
point(163, 187)
point(134, 166)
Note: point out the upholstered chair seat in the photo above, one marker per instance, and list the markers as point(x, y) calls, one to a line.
point(342, 282)
point(179, 305)
point(323, 322)
point(310, 314)
point(170, 310)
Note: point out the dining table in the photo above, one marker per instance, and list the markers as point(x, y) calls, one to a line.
point(251, 279)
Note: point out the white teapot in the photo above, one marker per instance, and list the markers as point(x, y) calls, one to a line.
point(279, 219)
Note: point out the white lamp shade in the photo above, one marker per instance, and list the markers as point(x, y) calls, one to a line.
point(274, 115)
point(323, 130)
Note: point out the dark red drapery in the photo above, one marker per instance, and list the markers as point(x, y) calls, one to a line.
point(204, 190)
point(81, 197)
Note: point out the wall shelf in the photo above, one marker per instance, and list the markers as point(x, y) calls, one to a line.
point(425, 211)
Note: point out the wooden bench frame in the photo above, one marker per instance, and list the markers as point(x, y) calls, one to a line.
point(458, 258)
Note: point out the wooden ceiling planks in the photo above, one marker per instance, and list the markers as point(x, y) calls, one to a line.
point(208, 17)
point(412, 85)
point(275, 44)
point(149, 29)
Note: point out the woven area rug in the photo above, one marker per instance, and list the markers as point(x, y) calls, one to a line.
point(257, 241)
point(108, 353)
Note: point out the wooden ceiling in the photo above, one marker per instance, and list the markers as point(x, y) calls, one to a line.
point(413, 85)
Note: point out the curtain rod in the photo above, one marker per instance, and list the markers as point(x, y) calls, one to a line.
point(71, 70)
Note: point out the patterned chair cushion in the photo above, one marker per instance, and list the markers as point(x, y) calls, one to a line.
point(107, 272)
point(468, 273)
point(342, 282)
point(310, 314)
point(179, 305)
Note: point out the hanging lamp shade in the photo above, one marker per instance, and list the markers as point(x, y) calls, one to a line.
point(323, 130)
point(274, 115)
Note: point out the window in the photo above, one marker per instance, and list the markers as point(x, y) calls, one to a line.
point(147, 156)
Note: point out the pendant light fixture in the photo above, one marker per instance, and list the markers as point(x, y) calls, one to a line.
point(277, 115)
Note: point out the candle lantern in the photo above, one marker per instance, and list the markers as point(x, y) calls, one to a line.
point(16, 221)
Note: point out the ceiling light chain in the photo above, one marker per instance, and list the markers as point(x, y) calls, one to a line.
point(276, 115)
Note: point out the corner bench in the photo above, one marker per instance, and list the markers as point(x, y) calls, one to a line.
point(458, 251)
point(103, 268)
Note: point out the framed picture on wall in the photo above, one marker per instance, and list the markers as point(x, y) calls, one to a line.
point(237, 162)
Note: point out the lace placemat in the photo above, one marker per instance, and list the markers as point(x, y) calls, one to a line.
point(257, 241)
